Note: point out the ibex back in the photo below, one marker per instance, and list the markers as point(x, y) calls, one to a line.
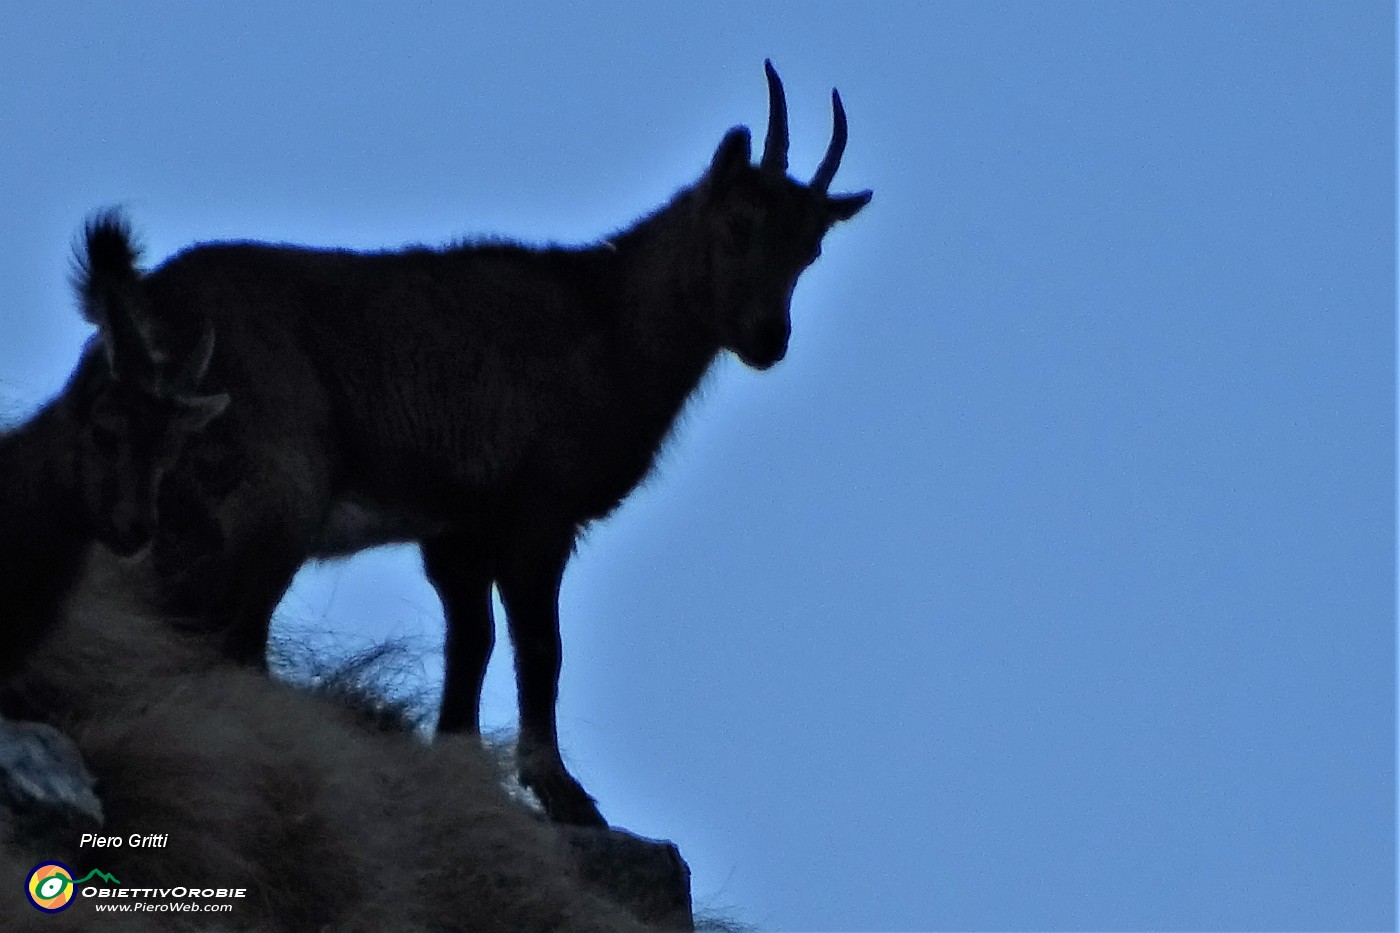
point(487, 401)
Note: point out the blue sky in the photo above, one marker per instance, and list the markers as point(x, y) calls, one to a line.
point(1047, 584)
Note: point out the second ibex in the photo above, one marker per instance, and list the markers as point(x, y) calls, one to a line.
point(487, 401)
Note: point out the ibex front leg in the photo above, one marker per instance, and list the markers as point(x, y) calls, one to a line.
point(253, 540)
point(275, 515)
point(461, 576)
point(529, 584)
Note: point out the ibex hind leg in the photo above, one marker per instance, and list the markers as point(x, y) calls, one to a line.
point(529, 581)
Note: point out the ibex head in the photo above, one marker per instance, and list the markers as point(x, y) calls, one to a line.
point(137, 405)
point(764, 228)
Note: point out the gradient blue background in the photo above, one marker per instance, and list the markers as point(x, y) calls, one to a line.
point(1048, 583)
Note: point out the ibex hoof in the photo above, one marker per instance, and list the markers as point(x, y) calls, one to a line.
point(563, 798)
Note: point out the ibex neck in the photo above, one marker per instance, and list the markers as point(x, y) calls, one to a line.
point(667, 298)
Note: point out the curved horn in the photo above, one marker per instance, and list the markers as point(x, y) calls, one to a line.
point(832, 160)
point(775, 144)
point(193, 367)
point(128, 353)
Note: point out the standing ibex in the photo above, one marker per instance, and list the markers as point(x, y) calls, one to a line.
point(487, 401)
point(89, 464)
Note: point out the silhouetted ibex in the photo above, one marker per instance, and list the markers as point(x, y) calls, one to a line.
point(89, 464)
point(487, 401)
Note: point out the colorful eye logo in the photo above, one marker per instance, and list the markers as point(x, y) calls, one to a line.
point(50, 887)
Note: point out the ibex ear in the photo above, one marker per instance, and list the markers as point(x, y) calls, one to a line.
point(195, 411)
point(732, 156)
point(845, 206)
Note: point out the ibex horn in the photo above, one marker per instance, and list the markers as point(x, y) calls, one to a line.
point(193, 367)
point(129, 354)
point(775, 144)
point(827, 170)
